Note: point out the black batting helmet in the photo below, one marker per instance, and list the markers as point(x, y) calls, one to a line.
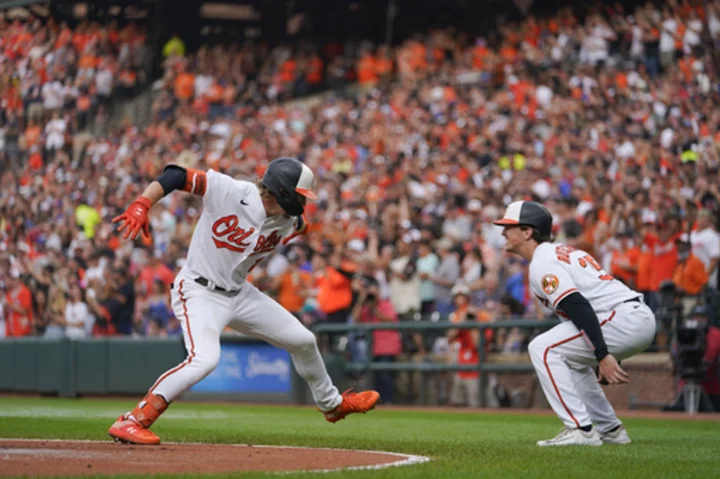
point(288, 179)
point(528, 213)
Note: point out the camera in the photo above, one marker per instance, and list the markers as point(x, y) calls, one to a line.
point(669, 310)
point(372, 291)
point(690, 339)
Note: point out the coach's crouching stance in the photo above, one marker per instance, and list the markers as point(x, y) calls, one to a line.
point(605, 321)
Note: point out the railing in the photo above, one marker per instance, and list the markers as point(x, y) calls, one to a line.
point(482, 367)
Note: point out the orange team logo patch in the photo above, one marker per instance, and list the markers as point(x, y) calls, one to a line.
point(550, 283)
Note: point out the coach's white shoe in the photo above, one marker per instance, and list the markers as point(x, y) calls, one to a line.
point(573, 437)
point(618, 436)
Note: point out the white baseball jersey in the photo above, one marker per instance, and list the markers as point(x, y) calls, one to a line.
point(706, 247)
point(233, 233)
point(557, 270)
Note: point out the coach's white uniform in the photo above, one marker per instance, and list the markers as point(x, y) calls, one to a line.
point(233, 235)
point(563, 357)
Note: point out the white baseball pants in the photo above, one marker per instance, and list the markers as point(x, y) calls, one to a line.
point(204, 314)
point(564, 362)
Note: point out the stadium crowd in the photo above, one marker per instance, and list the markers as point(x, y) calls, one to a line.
point(56, 80)
point(609, 120)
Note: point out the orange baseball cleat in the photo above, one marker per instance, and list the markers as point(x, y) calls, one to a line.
point(352, 403)
point(128, 431)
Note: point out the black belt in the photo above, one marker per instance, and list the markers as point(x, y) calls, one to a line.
point(204, 282)
point(636, 300)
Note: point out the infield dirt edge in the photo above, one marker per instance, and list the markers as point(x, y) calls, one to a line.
point(47, 457)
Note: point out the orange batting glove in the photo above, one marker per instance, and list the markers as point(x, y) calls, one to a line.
point(300, 229)
point(135, 219)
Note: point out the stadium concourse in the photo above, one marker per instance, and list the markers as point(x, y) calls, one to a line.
point(609, 119)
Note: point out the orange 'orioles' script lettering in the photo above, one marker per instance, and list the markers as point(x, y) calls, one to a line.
point(227, 234)
point(267, 244)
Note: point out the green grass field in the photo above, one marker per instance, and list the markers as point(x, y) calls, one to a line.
point(460, 444)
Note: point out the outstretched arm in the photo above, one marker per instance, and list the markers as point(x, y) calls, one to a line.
point(172, 178)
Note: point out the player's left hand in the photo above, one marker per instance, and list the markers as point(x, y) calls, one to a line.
point(610, 371)
point(300, 229)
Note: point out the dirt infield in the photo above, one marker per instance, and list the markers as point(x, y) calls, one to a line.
point(84, 458)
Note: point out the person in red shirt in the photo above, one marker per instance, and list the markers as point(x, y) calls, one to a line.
point(664, 259)
point(643, 277)
point(465, 341)
point(386, 344)
point(624, 264)
point(19, 305)
point(155, 270)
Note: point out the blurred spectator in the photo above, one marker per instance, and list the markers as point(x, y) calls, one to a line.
point(334, 295)
point(18, 302)
point(404, 290)
point(446, 275)
point(689, 276)
point(643, 277)
point(55, 135)
point(624, 263)
point(516, 282)
point(464, 346)
point(472, 271)
point(427, 264)
point(293, 284)
point(104, 309)
point(121, 291)
point(664, 258)
point(78, 321)
point(50, 312)
point(174, 47)
point(706, 245)
point(386, 344)
point(456, 225)
point(157, 311)
point(154, 329)
point(405, 280)
point(155, 270)
point(174, 328)
point(511, 341)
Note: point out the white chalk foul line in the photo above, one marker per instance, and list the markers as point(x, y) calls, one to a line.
point(61, 412)
point(406, 459)
point(403, 459)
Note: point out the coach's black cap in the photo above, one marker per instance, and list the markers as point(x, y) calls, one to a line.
point(527, 213)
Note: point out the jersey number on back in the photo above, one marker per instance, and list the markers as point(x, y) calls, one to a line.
point(563, 254)
point(589, 260)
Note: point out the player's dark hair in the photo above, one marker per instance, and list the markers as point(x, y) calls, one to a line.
point(537, 236)
point(264, 191)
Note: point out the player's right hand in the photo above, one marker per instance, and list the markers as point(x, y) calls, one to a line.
point(135, 219)
point(610, 370)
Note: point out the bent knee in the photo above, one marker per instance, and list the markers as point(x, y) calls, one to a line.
point(537, 347)
point(207, 360)
point(304, 341)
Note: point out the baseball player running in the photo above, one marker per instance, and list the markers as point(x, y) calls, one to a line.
point(604, 322)
point(241, 224)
